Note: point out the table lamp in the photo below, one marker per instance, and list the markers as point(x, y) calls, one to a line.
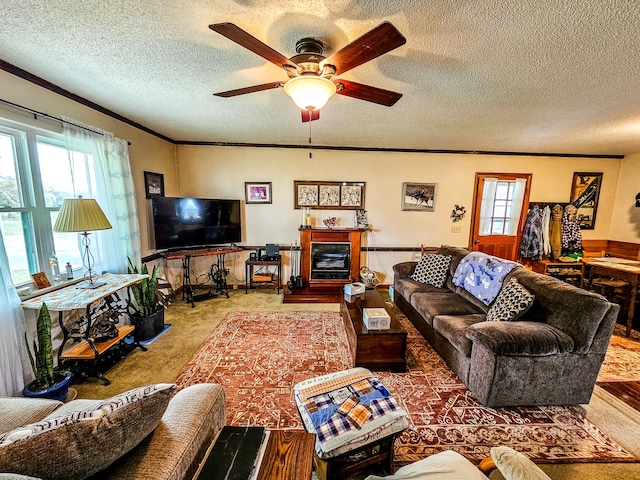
point(83, 215)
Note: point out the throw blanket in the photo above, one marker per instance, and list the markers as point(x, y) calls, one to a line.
point(481, 275)
point(350, 407)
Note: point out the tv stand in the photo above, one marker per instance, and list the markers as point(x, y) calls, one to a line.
point(216, 275)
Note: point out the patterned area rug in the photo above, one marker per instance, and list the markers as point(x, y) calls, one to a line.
point(258, 357)
point(622, 362)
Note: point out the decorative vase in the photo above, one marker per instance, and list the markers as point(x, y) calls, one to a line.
point(58, 391)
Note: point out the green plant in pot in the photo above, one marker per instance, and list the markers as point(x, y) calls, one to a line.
point(147, 308)
point(49, 383)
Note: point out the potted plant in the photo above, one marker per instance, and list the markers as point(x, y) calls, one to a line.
point(48, 383)
point(147, 309)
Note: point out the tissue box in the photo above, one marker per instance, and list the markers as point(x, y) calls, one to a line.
point(376, 318)
point(354, 288)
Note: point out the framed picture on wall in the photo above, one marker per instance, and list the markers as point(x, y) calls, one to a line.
point(418, 197)
point(153, 184)
point(328, 195)
point(585, 192)
point(257, 192)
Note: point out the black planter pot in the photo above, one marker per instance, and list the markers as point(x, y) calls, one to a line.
point(149, 327)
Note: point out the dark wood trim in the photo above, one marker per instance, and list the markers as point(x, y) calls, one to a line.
point(29, 77)
point(61, 91)
point(400, 150)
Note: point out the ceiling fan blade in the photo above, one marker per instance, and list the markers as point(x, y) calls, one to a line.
point(310, 116)
point(255, 88)
point(382, 39)
point(367, 93)
point(236, 34)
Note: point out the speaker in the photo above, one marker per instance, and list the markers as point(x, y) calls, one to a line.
point(258, 254)
point(273, 250)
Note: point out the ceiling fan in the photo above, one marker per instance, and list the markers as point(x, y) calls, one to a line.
point(310, 83)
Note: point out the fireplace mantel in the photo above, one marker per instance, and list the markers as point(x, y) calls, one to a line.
point(326, 290)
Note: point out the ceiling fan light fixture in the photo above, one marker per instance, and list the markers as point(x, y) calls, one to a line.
point(310, 92)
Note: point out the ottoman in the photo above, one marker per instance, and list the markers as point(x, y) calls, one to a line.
point(355, 420)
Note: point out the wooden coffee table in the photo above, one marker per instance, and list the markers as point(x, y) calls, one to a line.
point(374, 349)
point(288, 455)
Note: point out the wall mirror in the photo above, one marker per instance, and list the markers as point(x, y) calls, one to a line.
point(585, 191)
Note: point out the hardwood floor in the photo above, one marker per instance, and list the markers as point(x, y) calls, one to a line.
point(628, 392)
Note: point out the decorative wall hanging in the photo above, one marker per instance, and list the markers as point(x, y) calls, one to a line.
point(153, 184)
point(418, 197)
point(328, 195)
point(257, 192)
point(585, 191)
point(458, 213)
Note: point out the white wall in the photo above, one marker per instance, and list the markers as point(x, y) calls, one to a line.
point(625, 226)
point(221, 172)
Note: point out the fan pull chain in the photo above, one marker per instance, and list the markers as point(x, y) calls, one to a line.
point(310, 154)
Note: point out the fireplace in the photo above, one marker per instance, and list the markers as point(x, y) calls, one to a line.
point(330, 260)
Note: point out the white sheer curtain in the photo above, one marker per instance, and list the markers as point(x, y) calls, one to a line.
point(516, 206)
point(486, 209)
point(489, 188)
point(115, 193)
point(15, 369)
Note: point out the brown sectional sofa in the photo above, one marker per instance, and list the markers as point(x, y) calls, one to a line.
point(550, 356)
point(173, 451)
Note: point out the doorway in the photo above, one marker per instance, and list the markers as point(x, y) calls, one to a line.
point(500, 204)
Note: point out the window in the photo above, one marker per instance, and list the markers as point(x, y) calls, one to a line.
point(501, 206)
point(36, 173)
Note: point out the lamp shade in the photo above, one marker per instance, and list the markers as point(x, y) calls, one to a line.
point(310, 92)
point(80, 215)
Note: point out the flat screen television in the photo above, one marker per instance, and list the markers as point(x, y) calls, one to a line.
point(195, 222)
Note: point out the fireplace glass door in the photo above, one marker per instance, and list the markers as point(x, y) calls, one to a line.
point(330, 260)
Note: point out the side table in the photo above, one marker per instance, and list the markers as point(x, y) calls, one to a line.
point(249, 267)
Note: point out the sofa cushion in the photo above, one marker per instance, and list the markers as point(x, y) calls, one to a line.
point(512, 302)
point(432, 269)
point(520, 338)
point(515, 466)
point(457, 254)
point(82, 442)
point(407, 287)
point(453, 328)
point(580, 317)
point(432, 304)
point(18, 411)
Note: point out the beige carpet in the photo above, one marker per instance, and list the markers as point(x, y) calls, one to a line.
point(191, 326)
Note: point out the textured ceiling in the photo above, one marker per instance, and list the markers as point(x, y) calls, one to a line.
point(483, 75)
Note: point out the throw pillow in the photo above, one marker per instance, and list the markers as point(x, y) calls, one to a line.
point(81, 443)
point(515, 466)
point(512, 302)
point(432, 269)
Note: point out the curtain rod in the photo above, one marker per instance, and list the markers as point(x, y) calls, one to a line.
point(36, 114)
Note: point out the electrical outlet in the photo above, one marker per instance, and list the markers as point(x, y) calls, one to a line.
point(456, 229)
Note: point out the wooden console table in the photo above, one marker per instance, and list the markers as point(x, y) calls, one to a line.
point(74, 298)
point(217, 273)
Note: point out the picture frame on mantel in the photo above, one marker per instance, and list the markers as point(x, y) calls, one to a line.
point(153, 184)
point(585, 193)
point(257, 192)
point(325, 195)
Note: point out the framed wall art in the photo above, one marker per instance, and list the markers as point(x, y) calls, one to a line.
point(418, 197)
point(153, 184)
point(328, 195)
point(585, 192)
point(257, 192)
